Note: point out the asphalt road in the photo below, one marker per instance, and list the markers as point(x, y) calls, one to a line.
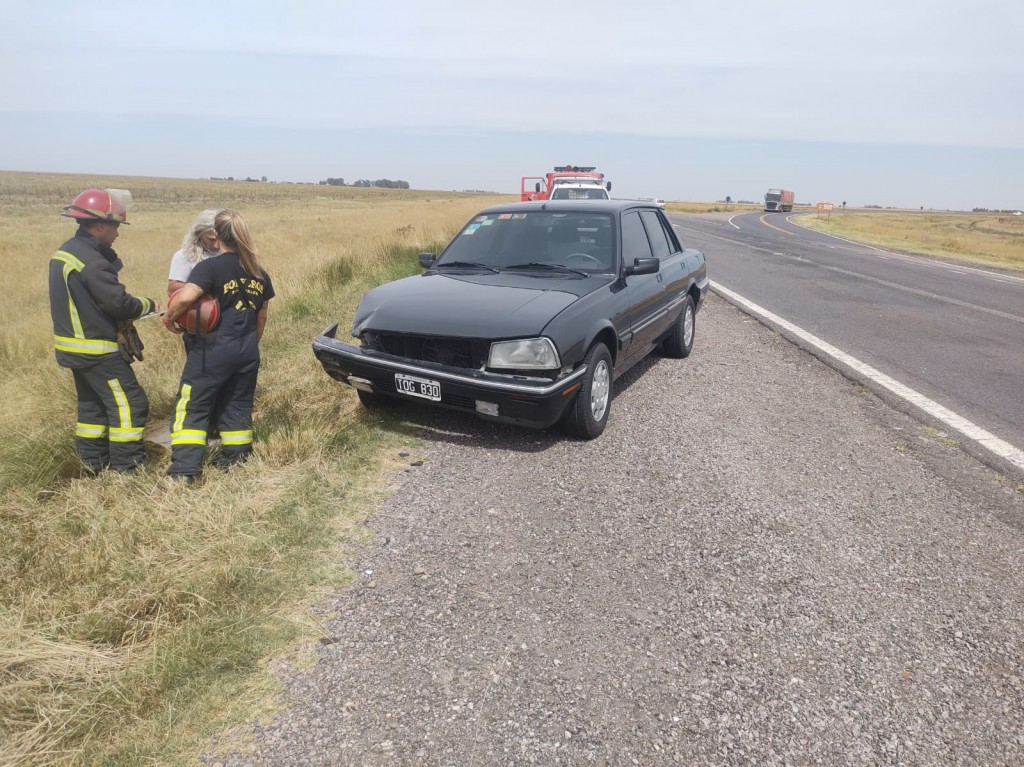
point(952, 332)
point(758, 563)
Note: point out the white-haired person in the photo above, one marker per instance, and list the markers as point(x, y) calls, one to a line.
point(221, 365)
point(200, 243)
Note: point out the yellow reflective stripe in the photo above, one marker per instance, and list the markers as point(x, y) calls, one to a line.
point(124, 409)
point(188, 437)
point(76, 321)
point(147, 306)
point(91, 430)
point(71, 264)
point(69, 259)
point(118, 434)
point(181, 407)
point(84, 345)
point(241, 437)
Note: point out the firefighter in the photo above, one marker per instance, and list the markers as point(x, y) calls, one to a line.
point(221, 365)
point(91, 313)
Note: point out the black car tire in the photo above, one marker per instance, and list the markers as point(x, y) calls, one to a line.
point(588, 414)
point(371, 400)
point(679, 341)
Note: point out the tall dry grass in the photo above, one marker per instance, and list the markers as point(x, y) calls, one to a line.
point(136, 615)
point(987, 238)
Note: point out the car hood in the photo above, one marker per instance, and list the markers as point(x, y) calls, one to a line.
point(471, 305)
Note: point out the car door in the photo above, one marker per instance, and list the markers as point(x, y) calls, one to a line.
point(645, 291)
point(674, 270)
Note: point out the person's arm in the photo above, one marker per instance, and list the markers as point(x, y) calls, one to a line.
point(261, 321)
point(187, 296)
point(177, 276)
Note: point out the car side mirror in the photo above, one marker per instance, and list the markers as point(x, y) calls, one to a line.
point(643, 266)
point(427, 260)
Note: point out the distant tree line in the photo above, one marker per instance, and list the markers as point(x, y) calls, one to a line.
point(381, 183)
point(262, 180)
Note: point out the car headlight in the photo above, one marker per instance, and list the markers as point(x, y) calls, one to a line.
point(524, 354)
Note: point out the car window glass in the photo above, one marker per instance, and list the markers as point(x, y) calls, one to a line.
point(634, 238)
point(659, 240)
point(673, 240)
point(582, 241)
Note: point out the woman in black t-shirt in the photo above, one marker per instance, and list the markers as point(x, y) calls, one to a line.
point(221, 365)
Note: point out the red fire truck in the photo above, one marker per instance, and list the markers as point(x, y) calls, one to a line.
point(569, 182)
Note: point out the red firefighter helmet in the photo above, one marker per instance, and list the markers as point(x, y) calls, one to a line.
point(97, 205)
point(201, 317)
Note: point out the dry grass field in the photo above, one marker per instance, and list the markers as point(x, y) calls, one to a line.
point(985, 238)
point(135, 615)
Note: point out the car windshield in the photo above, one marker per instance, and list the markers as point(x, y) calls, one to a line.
point(582, 242)
point(577, 193)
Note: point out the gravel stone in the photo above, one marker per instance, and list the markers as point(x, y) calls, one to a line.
point(758, 563)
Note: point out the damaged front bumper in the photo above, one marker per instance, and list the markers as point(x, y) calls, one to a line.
point(523, 400)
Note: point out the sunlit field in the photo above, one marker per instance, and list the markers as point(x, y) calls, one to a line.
point(988, 238)
point(136, 615)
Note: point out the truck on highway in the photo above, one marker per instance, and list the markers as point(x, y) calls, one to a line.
point(778, 200)
point(566, 182)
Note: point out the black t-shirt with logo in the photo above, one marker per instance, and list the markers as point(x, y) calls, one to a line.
point(240, 295)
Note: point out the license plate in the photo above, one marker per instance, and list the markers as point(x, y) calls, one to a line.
point(418, 387)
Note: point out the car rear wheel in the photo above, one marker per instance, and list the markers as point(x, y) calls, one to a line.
point(588, 414)
point(679, 341)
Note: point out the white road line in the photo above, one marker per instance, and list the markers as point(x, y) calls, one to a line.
point(730, 221)
point(914, 291)
point(970, 430)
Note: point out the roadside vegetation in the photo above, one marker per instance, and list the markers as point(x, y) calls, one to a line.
point(136, 616)
point(996, 239)
point(710, 207)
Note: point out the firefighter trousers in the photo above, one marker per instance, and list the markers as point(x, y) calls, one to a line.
point(220, 381)
point(112, 412)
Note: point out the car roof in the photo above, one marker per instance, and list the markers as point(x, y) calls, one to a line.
point(570, 206)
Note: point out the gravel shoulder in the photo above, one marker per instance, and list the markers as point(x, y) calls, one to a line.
point(759, 562)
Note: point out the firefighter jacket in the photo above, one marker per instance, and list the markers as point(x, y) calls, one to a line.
point(87, 301)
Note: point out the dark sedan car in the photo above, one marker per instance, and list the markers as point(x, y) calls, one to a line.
point(529, 315)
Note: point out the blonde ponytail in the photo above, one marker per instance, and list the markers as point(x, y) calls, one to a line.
point(234, 236)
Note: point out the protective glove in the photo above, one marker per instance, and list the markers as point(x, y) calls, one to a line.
point(128, 342)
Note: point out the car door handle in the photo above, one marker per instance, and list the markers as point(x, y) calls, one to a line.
point(661, 278)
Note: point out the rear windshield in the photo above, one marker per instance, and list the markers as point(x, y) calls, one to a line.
point(571, 193)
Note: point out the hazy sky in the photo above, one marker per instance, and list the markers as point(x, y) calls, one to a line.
point(883, 102)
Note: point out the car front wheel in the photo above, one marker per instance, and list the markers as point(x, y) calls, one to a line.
point(371, 400)
point(679, 341)
point(588, 414)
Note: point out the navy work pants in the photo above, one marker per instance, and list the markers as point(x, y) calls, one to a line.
point(219, 377)
point(112, 412)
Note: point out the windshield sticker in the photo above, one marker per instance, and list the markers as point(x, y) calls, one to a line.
point(480, 218)
point(505, 216)
point(518, 215)
point(471, 228)
point(487, 222)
